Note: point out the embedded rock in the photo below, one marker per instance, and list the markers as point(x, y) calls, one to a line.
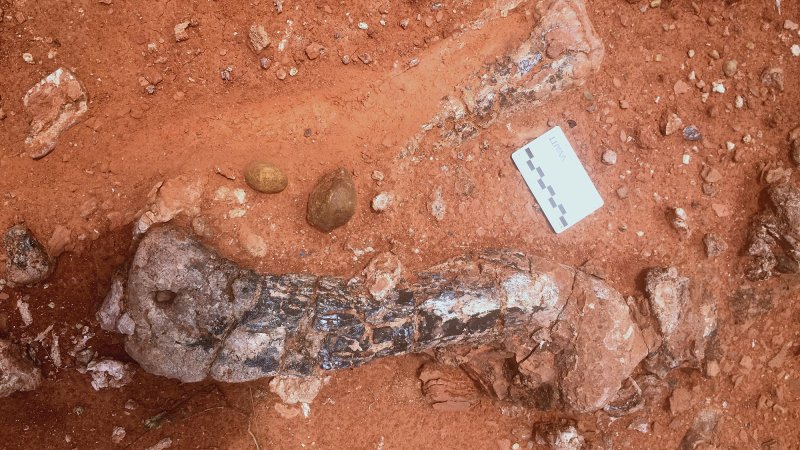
point(179, 195)
point(687, 319)
point(27, 261)
point(558, 435)
point(56, 103)
point(17, 372)
point(605, 344)
point(447, 388)
point(774, 240)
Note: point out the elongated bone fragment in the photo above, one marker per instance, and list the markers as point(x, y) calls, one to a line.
point(198, 315)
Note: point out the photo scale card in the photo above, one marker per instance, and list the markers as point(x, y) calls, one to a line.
point(557, 179)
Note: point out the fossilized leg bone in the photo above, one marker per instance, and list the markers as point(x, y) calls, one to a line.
point(190, 314)
point(563, 50)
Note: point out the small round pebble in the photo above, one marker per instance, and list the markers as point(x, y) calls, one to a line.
point(265, 177)
point(381, 202)
point(730, 67)
point(264, 63)
point(691, 133)
point(609, 157)
point(293, 71)
point(281, 74)
point(346, 59)
point(150, 89)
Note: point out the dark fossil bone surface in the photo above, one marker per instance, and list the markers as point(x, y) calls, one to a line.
point(190, 314)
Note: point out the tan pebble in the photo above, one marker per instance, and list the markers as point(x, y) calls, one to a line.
point(265, 177)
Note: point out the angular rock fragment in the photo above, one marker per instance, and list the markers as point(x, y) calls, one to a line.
point(293, 390)
point(109, 373)
point(774, 238)
point(447, 388)
point(259, 38)
point(702, 431)
point(56, 103)
point(197, 315)
point(110, 314)
point(179, 195)
point(27, 261)
point(687, 319)
point(558, 435)
point(714, 245)
point(606, 343)
point(749, 303)
point(17, 372)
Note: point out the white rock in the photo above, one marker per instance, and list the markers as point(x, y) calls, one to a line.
point(162, 444)
point(117, 435)
point(24, 312)
point(294, 390)
point(718, 87)
point(381, 202)
point(109, 373)
point(56, 103)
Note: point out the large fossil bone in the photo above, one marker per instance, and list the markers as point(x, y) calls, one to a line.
point(191, 315)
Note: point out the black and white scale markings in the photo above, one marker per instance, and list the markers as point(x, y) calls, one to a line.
point(546, 187)
point(557, 179)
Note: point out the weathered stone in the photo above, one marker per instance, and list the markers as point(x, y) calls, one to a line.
point(714, 245)
point(607, 344)
point(109, 373)
point(314, 50)
point(110, 311)
point(332, 202)
point(558, 435)
point(197, 316)
point(772, 77)
point(265, 177)
point(749, 303)
point(687, 319)
point(447, 388)
point(180, 31)
point(17, 372)
point(293, 390)
point(670, 123)
point(179, 195)
point(27, 262)
point(702, 431)
point(259, 38)
point(56, 103)
point(774, 238)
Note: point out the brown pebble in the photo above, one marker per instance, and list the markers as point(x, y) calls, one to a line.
point(332, 202)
